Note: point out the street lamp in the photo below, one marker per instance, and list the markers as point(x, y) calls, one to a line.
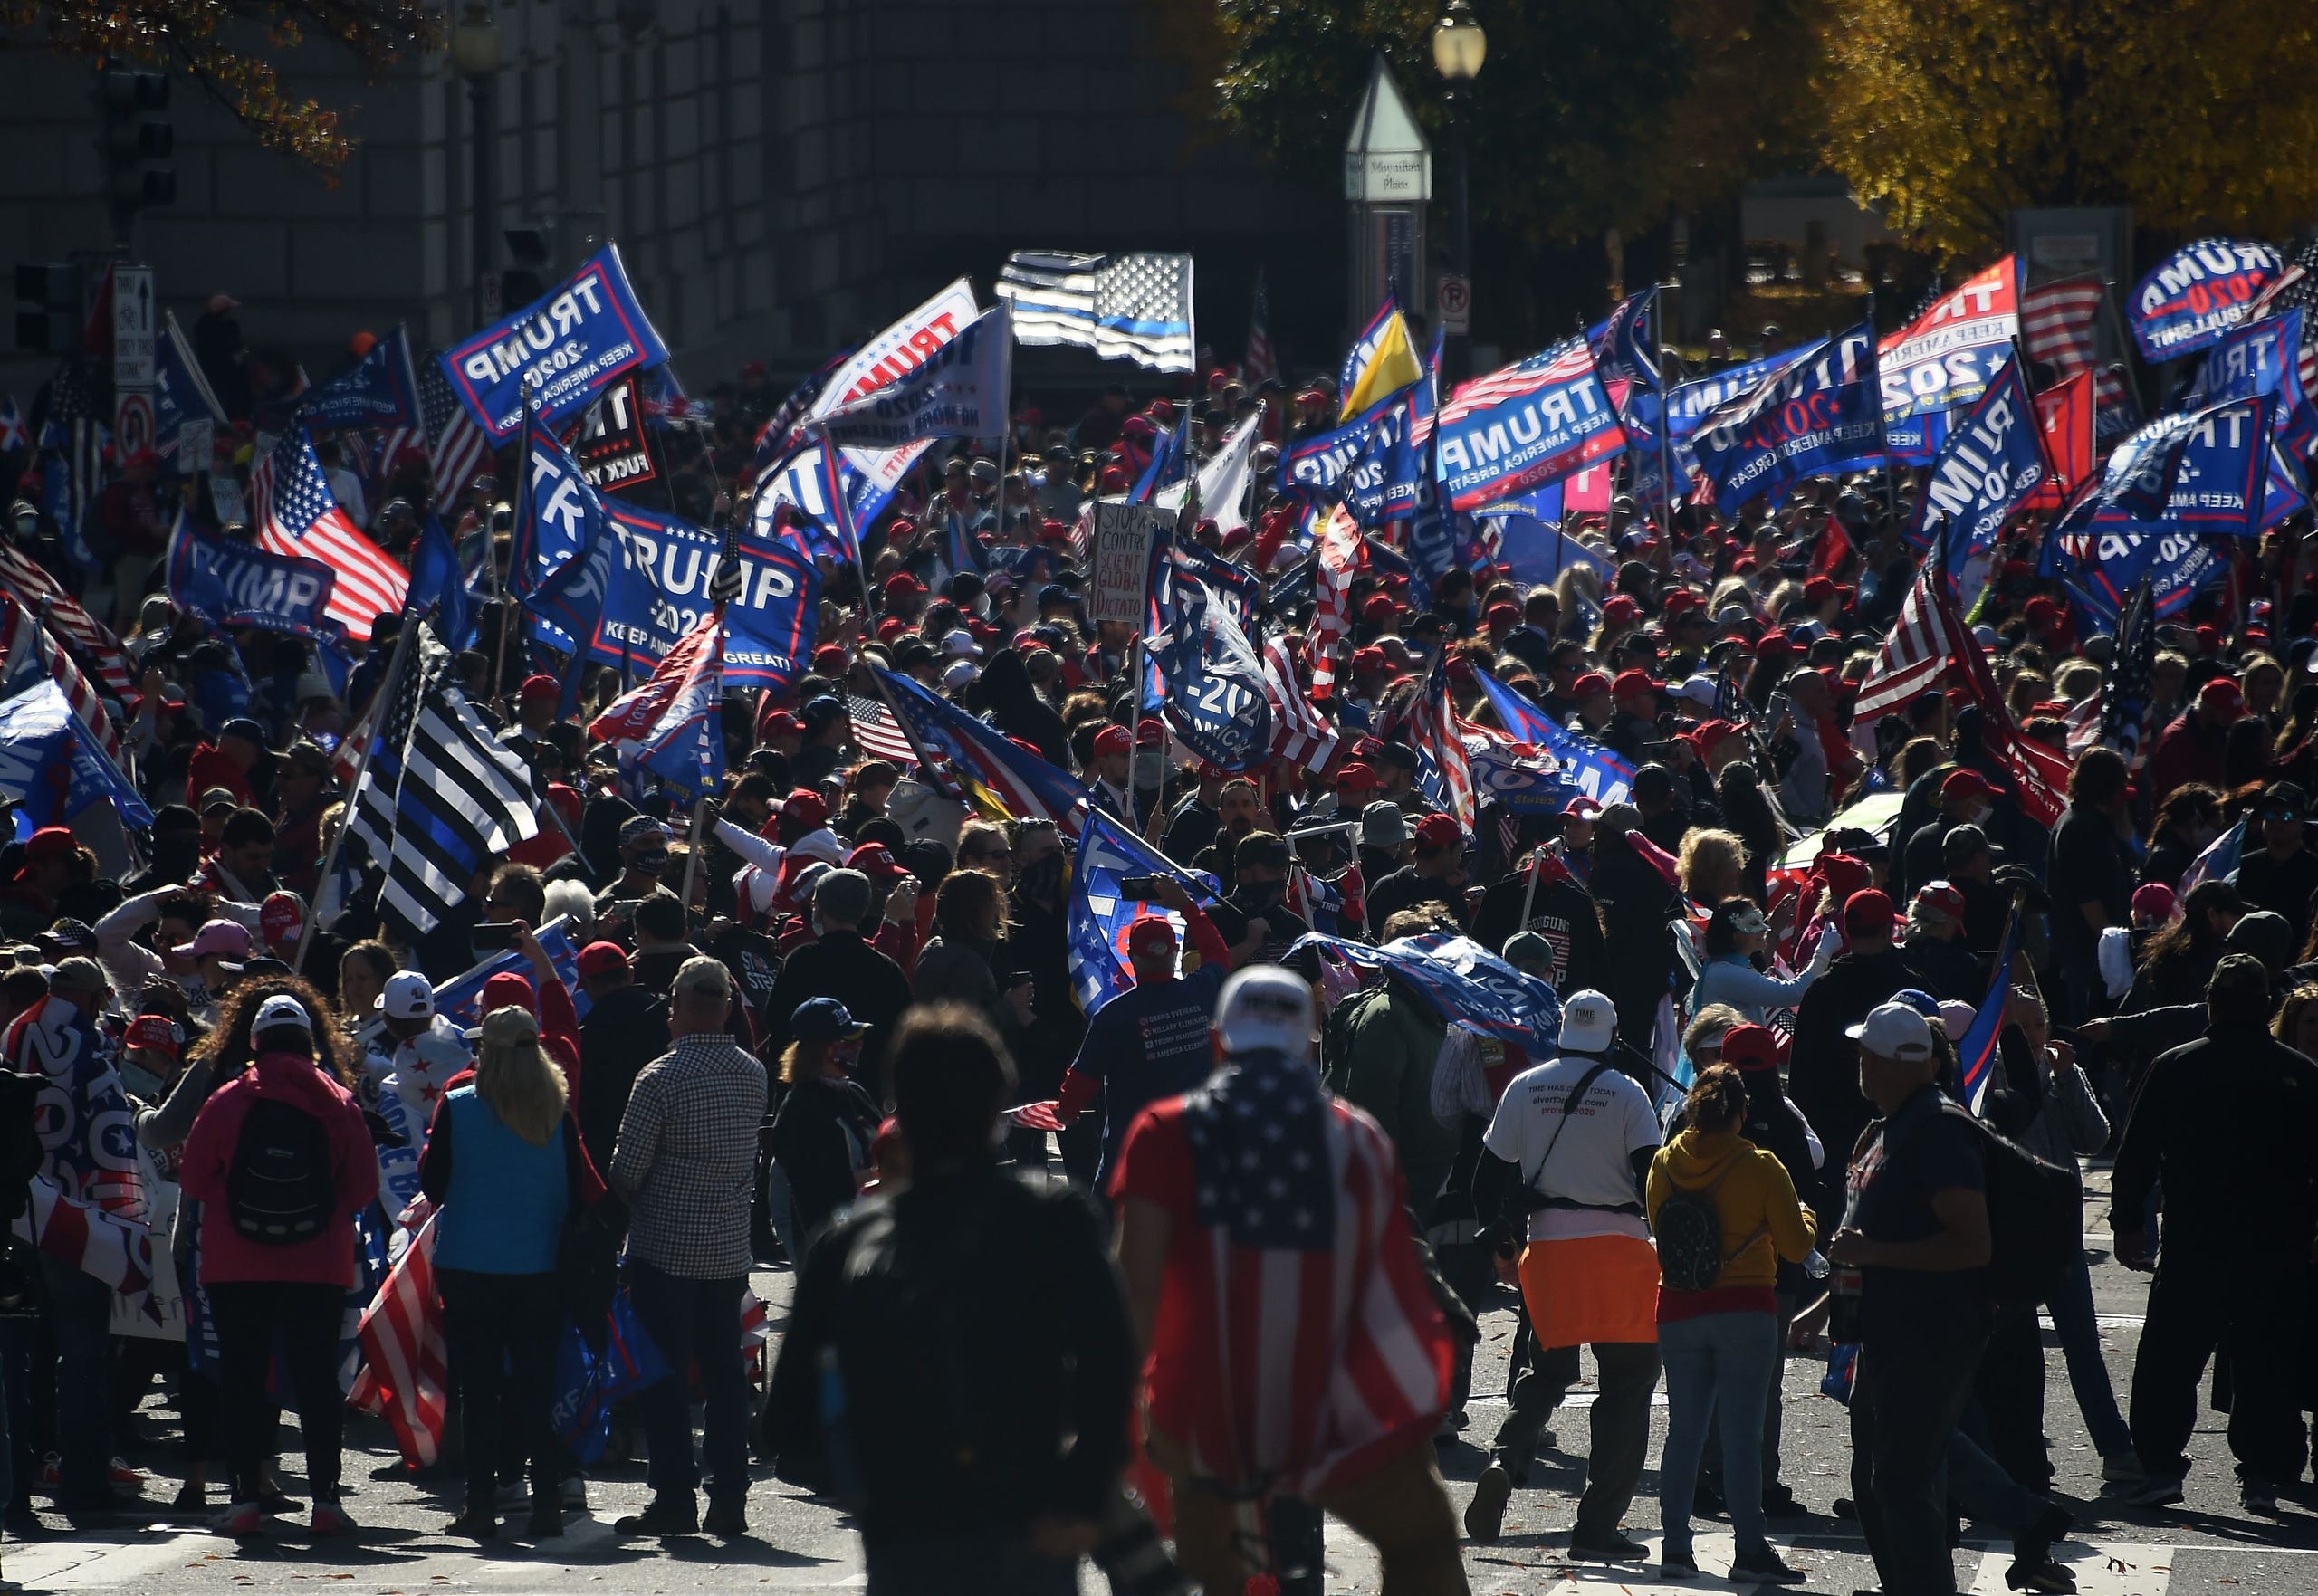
point(477, 50)
point(1458, 47)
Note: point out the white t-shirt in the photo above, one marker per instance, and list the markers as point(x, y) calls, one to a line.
point(1593, 1162)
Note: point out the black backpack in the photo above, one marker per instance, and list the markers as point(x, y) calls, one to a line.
point(1688, 1231)
point(2035, 1217)
point(280, 1188)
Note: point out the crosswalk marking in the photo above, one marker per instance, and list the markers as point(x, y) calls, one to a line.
point(2102, 1568)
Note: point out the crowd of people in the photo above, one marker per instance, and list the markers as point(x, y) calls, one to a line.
point(1194, 1268)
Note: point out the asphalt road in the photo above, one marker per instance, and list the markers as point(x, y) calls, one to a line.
point(2207, 1546)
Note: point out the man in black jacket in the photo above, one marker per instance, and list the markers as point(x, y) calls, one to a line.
point(2226, 1123)
point(974, 1328)
point(1638, 906)
point(1542, 896)
point(627, 1028)
point(1824, 1077)
point(1937, 954)
point(838, 964)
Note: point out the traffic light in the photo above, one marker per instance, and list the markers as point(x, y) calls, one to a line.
point(132, 142)
point(53, 325)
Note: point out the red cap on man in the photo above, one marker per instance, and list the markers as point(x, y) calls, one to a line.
point(1867, 912)
point(1150, 934)
point(535, 687)
point(1439, 831)
point(1113, 739)
point(1752, 1049)
point(597, 959)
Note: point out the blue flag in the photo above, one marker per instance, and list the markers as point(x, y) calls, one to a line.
point(380, 390)
point(438, 583)
point(52, 765)
point(656, 591)
point(1624, 342)
point(1536, 551)
point(2263, 359)
point(1464, 982)
point(1915, 439)
point(1215, 697)
point(1976, 1052)
point(1310, 470)
point(1592, 769)
point(586, 334)
point(2221, 475)
point(1992, 462)
point(561, 514)
point(182, 397)
point(1101, 915)
point(457, 1000)
point(1823, 414)
point(1532, 423)
point(2198, 294)
point(1163, 469)
point(229, 583)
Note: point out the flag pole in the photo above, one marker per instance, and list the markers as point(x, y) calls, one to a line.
point(388, 686)
point(490, 551)
point(727, 582)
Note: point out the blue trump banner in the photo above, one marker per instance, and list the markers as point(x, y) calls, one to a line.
point(1101, 914)
point(1948, 354)
point(380, 390)
point(1215, 697)
point(958, 392)
point(437, 584)
point(2221, 475)
point(1524, 784)
point(2263, 358)
point(52, 767)
point(1310, 470)
point(459, 998)
point(1532, 423)
point(1823, 414)
point(1915, 440)
point(1464, 982)
point(2101, 568)
point(1994, 460)
point(2198, 294)
point(657, 589)
point(229, 583)
point(1590, 768)
point(1688, 404)
point(561, 512)
point(185, 409)
point(569, 347)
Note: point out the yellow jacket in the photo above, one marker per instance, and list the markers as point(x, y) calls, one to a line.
point(1756, 1199)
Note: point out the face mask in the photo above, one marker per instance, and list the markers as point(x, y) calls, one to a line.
point(1258, 895)
point(651, 863)
point(1150, 767)
point(1043, 878)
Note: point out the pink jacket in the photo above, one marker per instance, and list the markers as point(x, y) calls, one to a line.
point(225, 1254)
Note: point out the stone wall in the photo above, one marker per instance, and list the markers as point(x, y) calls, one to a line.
point(781, 177)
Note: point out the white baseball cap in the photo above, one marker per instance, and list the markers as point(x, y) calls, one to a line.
point(282, 1009)
point(1264, 1008)
point(1589, 1022)
point(408, 995)
point(1698, 690)
point(1894, 1030)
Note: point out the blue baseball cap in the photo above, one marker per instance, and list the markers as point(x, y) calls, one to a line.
point(824, 1019)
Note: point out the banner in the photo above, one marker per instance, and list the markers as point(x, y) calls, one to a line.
point(1624, 346)
point(2222, 473)
point(381, 390)
point(2198, 294)
point(959, 391)
point(185, 413)
point(1593, 769)
point(230, 584)
point(1215, 697)
point(1821, 415)
point(1121, 551)
point(2263, 358)
point(2065, 416)
point(1464, 982)
point(569, 347)
point(874, 473)
point(610, 441)
point(1536, 551)
point(1947, 355)
point(1688, 404)
point(1310, 470)
point(1532, 423)
point(1101, 915)
point(1990, 465)
point(659, 588)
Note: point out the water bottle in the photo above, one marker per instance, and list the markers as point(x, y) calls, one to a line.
point(1815, 1264)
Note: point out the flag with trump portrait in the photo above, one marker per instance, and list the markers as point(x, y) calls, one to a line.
point(1102, 911)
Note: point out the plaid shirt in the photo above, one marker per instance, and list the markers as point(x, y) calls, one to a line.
point(686, 1157)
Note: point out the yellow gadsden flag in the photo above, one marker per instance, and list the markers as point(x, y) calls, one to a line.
point(1381, 363)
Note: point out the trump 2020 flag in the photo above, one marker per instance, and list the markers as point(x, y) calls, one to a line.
point(380, 390)
point(1947, 355)
point(2263, 359)
point(1589, 767)
point(1215, 697)
point(1311, 468)
point(53, 768)
point(230, 584)
point(1532, 423)
point(1991, 463)
point(1463, 981)
point(1822, 414)
point(2223, 470)
point(1976, 1050)
point(958, 392)
point(1101, 914)
point(586, 334)
point(2198, 292)
point(1623, 342)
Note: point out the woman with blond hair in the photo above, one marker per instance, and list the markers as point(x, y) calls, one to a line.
point(505, 1166)
point(1713, 865)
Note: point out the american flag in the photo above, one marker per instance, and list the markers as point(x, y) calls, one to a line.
point(1308, 1346)
point(1431, 723)
point(456, 451)
point(2060, 323)
point(1134, 307)
point(1005, 780)
point(2123, 700)
point(1259, 365)
point(295, 514)
point(101, 652)
point(876, 733)
point(2296, 287)
point(1916, 653)
point(1298, 734)
point(406, 1377)
point(1340, 558)
point(29, 655)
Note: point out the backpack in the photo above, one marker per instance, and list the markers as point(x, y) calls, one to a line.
point(2035, 1217)
point(1688, 1231)
point(280, 1188)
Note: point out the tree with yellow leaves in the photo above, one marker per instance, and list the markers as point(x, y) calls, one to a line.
point(1954, 112)
point(210, 41)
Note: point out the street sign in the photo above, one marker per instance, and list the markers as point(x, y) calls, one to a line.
point(1122, 564)
point(1453, 304)
point(132, 327)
